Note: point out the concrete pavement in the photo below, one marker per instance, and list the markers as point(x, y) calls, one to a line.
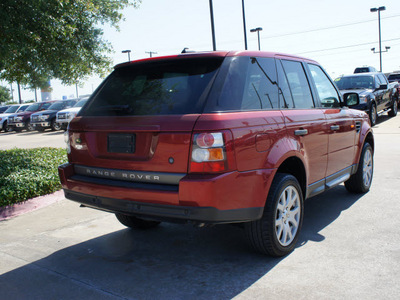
point(349, 248)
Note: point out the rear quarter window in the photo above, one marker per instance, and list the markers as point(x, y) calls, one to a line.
point(245, 84)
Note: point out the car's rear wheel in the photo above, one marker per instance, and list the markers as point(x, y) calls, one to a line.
point(393, 111)
point(373, 115)
point(135, 222)
point(360, 182)
point(277, 232)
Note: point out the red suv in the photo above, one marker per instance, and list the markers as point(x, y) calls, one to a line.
point(220, 137)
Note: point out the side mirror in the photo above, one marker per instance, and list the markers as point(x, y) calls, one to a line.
point(351, 99)
point(383, 87)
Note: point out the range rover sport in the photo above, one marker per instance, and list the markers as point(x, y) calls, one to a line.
point(218, 137)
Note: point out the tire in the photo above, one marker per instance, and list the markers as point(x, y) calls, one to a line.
point(393, 110)
point(136, 223)
point(277, 232)
point(55, 126)
point(29, 126)
point(373, 114)
point(360, 182)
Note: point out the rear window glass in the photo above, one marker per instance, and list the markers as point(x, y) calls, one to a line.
point(394, 77)
point(175, 86)
point(355, 82)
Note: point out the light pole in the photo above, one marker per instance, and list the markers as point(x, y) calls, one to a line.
point(244, 26)
point(151, 53)
point(129, 54)
point(379, 9)
point(258, 29)
point(212, 26)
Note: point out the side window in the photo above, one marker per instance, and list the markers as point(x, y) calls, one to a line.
point(377, 82)
point(261, 91)
point(298, 84)
point(285, 96)
point(382, 79)
point(325, 89)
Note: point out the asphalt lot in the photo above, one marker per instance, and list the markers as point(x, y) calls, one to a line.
point(33, 139)
point(349, 248)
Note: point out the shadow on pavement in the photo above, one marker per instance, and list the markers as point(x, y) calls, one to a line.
point(169, 262)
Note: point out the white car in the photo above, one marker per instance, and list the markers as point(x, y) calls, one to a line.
point(66, 115)
point(11, 110)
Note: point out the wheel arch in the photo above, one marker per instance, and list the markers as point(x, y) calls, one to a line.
point(294, 166)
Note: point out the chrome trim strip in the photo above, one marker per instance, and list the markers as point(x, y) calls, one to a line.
point(133, 176)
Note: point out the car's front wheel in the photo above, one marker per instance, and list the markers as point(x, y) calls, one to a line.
point(134, 222)
point(373, 115)
point(393, 110)
point(29, 126)
point(360, 182)
point(277, 232)
point(55, 126)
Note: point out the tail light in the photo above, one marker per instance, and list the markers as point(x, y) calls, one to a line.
point(212, 152)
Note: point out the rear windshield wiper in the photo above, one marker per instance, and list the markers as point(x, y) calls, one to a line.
point(117, 108)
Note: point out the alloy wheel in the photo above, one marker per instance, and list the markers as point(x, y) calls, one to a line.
point(288, 213)
point(367, 167)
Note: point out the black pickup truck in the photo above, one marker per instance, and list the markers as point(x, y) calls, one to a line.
point(376, 93)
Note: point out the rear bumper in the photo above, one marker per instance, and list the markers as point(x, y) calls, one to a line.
point(222, 198)
point(173, 213)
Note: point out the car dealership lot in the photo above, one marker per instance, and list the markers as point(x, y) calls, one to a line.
point(349, 247)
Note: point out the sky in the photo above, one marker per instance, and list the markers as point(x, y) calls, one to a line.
point(338, 34)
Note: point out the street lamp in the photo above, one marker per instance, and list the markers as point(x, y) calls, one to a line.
point(129, 54)
point(379, 9)
point(244, 26)
point(151, 53)
point(258, 29)
point(212, 26)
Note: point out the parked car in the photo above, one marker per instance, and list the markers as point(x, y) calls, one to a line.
point(364, 70)
point(375, 92)
point(66, 115)
point(220, 137)
point(18, 122)
point(44, 119)
point(9, 111)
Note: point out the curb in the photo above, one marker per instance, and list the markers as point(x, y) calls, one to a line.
point(17, 209)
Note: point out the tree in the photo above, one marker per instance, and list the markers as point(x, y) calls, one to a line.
point(44, 39)
point(5, 95)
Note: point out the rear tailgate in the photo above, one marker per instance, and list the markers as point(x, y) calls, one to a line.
point(139, 143)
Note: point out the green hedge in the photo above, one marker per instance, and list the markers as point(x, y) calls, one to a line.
point(28, 173)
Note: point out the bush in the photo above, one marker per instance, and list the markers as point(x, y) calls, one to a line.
point(28, 173)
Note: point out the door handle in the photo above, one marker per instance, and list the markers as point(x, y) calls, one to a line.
point(301, 132)
point(335, 127)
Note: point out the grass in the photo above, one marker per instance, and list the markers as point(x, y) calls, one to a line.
point(28, 173)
